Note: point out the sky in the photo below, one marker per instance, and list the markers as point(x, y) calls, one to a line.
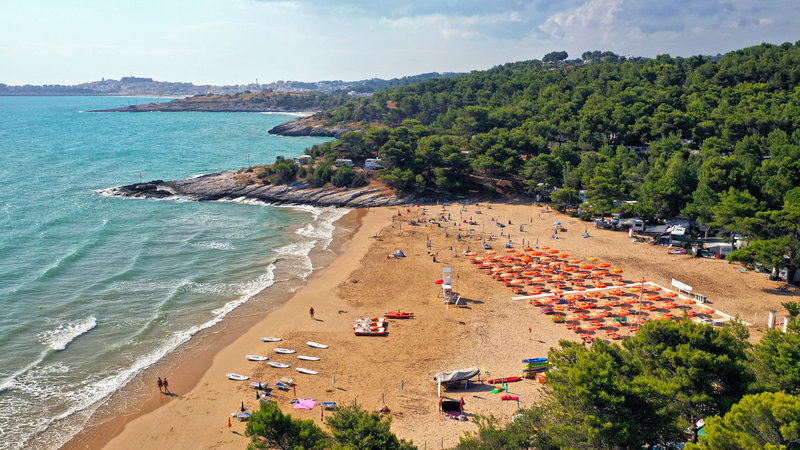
point(239, 41)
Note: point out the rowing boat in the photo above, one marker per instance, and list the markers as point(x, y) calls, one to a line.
point(271, 339)
point(307, 358)
point(257, 358)
point(237, 377)
point(278, 365)
point(283, 350)
point(306, 371)
point(316, 344)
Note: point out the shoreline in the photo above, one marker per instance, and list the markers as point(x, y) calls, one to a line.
point(187, 363)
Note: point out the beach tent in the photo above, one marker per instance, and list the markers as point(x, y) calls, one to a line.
point(399, 254)
point(455, 376)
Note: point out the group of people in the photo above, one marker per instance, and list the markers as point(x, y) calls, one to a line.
point(163, 386)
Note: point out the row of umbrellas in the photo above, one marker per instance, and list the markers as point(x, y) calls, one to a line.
point(606, 308)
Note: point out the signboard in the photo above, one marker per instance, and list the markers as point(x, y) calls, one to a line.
point(681, 286)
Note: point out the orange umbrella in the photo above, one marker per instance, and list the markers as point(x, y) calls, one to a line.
point(536, 253)
point(552, 252)
point(604, 265)
point(574, 261)
point(587, 267)
point(592, 259)
point(544, 247)
point(563, 255)
point(534, 292)
point(616, 271)
point(671, 294)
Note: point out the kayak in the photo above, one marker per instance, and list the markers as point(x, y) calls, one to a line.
point(498, 389)
point(271, 339)
point(237, 377)
point(307, 358)
point(508, 397)
point(283, 350)
point(507, 380)
point(306, 371)
point(535, 360)
point(399, 315)
point(316, 344)
point(257, 358)
point(278, 365)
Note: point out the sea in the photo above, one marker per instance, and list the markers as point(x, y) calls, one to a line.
point(96, 288)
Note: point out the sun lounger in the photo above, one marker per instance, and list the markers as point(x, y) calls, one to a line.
point(329, 405)
point(282, 386)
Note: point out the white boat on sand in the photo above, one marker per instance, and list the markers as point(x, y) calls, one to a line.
point(278, 365)
point(237, 377)
point(306, 371)
point(316, 344)
point(257, 358)
point(284, 350)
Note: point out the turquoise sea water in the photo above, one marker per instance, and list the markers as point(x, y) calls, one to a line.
point(93, 288)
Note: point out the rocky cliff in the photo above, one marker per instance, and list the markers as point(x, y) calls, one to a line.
point(237, 184)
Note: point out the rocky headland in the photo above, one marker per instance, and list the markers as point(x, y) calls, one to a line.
point(308, 126)
point(239, 184)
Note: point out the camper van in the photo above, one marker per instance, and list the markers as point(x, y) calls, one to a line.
point(344, 162)
point(637, 226)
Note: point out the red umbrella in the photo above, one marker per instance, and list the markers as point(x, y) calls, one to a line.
point(439, 281)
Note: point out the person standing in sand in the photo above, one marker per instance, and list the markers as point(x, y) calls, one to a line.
point(166, 386)
point(160, 385)
point(311, 311)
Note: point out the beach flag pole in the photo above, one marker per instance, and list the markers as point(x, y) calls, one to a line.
point(383, 398)
point(229, 422)
point(403, 385)
point(294, 389)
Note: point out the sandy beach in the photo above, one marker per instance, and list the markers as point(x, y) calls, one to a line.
point(490, 329)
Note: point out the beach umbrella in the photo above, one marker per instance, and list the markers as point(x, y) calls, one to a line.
point(552, 252)
point(563, 255)
point(616, 271)
point(536, 253)
point(638, 280)
point(604, 265)
point(592, 259)
point(587, 267)
point(557, 223)
point(544, 247)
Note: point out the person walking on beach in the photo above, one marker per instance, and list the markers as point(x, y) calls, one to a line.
point(166, 386)
point(160, 385)
point(311, 311)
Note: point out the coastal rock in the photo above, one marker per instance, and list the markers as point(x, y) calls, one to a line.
point(232, 186)
point(307, 126)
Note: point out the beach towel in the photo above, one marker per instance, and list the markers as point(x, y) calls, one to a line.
point(305, 403)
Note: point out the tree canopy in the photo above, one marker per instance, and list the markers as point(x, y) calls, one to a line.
point(715, 140)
